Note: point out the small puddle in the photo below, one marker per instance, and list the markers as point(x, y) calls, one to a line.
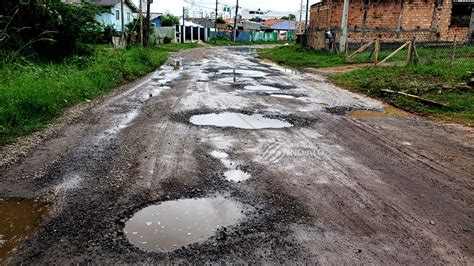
point(388, 111)
point(219, 155)
point(236, 175)
point(19, 219)
point(174, 224)
point(237, 120)
point(282, 96)
point(261, 88)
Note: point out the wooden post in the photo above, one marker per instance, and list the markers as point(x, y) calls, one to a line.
point(395, 52)
point(453, 51)
point(376, 51)
point(410, 50)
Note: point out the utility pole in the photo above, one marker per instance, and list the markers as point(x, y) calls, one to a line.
point(121, 18)
point(216, 30)
point(307, 10)
point(183, 31)
point(301, 16)
point(345, 17)
point(141, 22)
point(148, 7)
point(235, 20)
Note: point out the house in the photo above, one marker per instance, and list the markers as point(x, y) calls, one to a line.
point(155, 19)
point(113, 15)
point(427, 20)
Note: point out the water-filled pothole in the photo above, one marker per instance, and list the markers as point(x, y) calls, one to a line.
point(238, 120)
point(284, 96)
point(236, 175)
point(261, 88)
point(174, 224)
point(19, 219)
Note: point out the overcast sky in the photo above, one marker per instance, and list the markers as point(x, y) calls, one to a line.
point(176, 6)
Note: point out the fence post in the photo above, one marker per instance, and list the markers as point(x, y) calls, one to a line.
point(453, 51)
point(410, 50)
point(376, 51)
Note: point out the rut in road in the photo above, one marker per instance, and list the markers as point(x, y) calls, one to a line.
point(273, 157)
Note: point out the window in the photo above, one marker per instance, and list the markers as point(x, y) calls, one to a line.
point(128, 16)
point(117, 14)
point(461, 15)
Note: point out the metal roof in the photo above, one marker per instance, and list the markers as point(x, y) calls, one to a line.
point(284, 25)
point(111, 3)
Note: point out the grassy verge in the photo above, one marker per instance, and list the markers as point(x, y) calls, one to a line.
point(33, 94)
point(435, 82)
point(434, 79)
point(297, 56)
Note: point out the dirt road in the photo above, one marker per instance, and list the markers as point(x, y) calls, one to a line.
point(218, 157)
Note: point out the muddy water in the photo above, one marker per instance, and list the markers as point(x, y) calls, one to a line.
point(387, 112)
point(19, 219)
point(174, 224)
point(237, 120)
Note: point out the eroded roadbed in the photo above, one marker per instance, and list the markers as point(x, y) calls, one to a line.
point(218, 157)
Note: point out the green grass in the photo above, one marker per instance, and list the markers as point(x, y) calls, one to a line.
point(426, 81)
point(34, 94)
point(297, 56)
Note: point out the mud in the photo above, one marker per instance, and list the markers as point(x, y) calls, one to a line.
point(331, 189)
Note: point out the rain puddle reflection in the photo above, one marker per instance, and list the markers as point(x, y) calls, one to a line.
point(261, 88)
point(238, 120)
point(237, 175)
point(174, 224)
point(19, 219)
point(284, 96)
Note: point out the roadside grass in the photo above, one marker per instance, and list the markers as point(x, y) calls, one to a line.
point(298, 56)
point(434, 82)
point(33, 94)
point(434, 78)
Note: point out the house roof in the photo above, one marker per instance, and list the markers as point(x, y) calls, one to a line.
point(284, 25)
point(269, 22)
point(111, 3)
point(155, 15)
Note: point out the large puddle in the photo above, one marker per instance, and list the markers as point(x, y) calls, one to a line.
point(174, 224)
point(19, 219)
point(261, 88)
point(238, 120)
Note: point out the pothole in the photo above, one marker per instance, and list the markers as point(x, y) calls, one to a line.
point(284, 96)
point(261, 88)
point(238, 120)
point(236, 175)
point(19, 219)
point(174, 224)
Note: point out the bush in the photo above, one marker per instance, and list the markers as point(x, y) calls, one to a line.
point(49, 29)
point(167, 40)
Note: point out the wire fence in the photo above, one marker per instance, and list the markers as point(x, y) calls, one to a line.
point(397, 48)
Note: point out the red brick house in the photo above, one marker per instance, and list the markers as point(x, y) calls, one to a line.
point(429, 20)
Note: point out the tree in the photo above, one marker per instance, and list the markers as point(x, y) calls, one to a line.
point(48, 28)
point(291, 17)
point(220, 20)
point(168, 20)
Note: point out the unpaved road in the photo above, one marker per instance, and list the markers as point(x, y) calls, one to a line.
point(332, 188)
